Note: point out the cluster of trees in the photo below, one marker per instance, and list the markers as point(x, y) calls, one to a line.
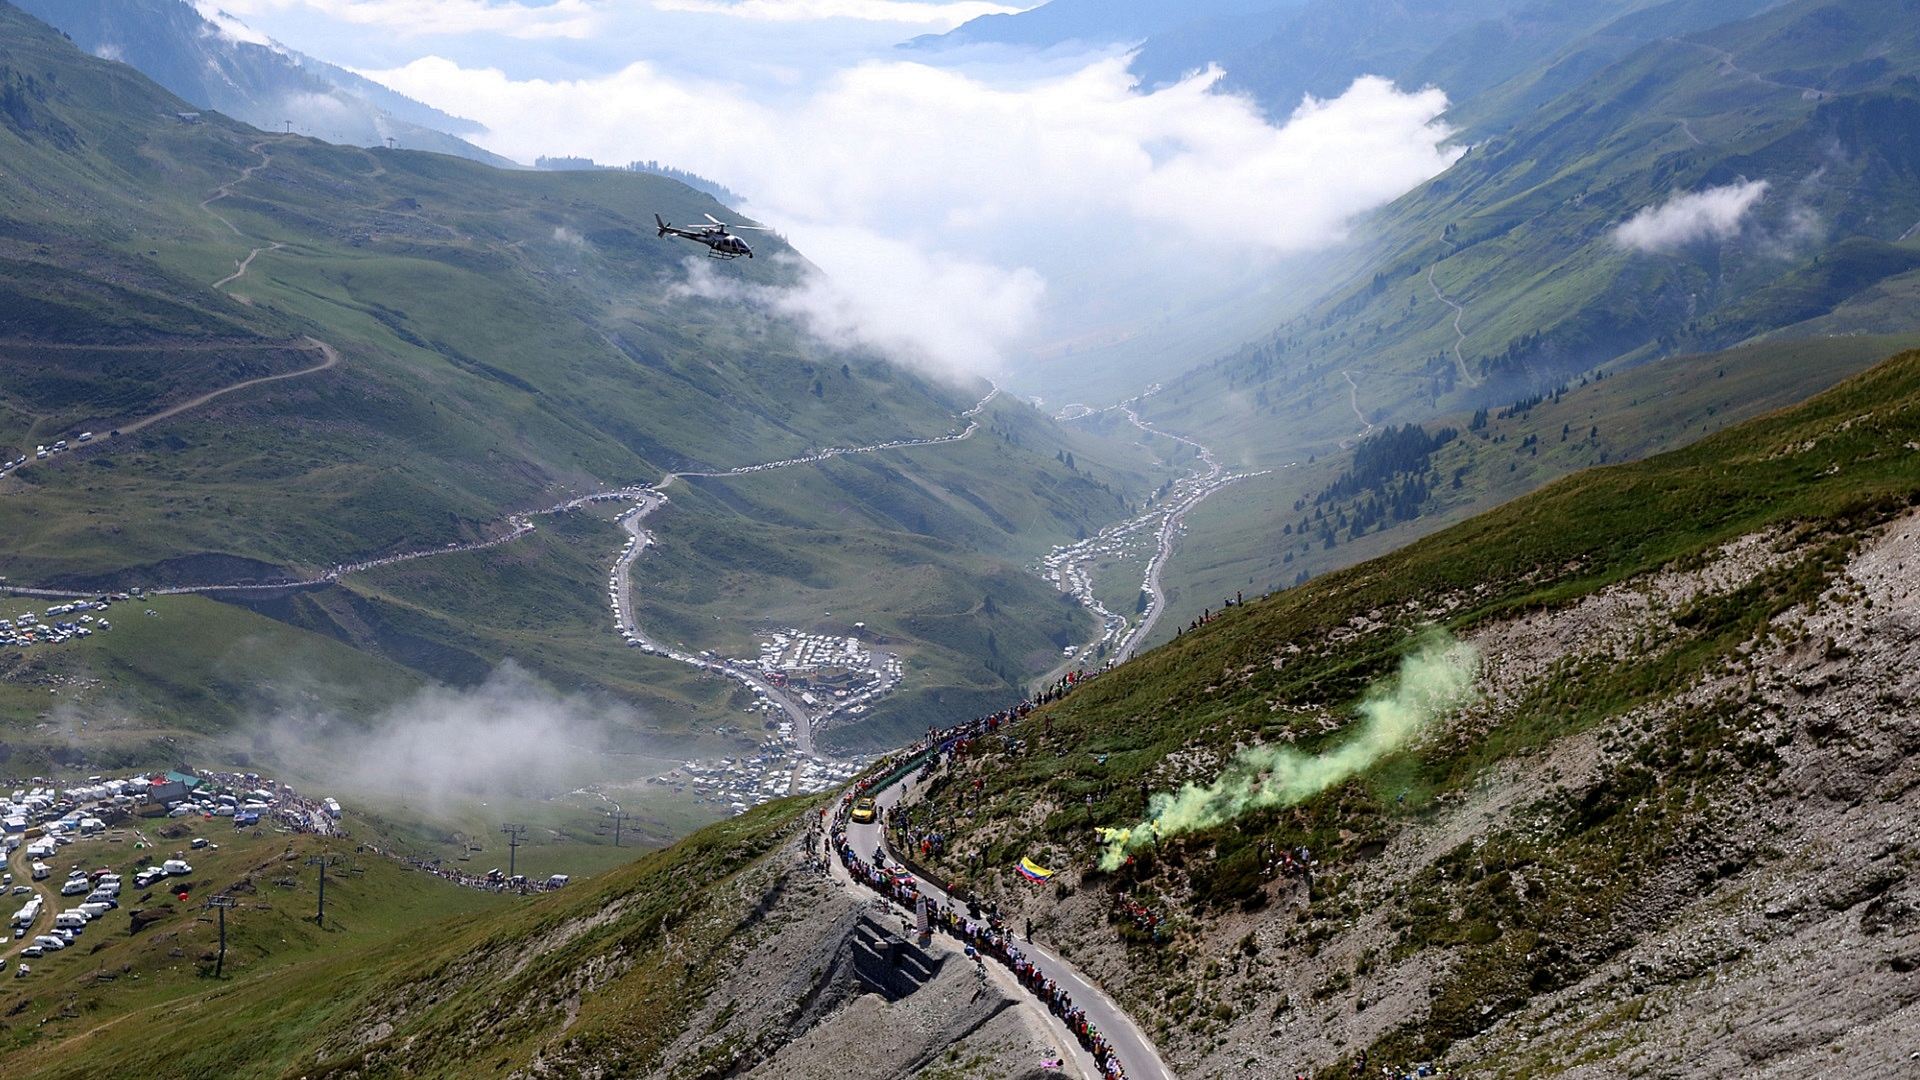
point(1383, 459)
point(1388, 481)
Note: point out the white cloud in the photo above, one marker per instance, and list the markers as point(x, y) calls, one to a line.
point(940, 16)
point(946, 208)
point(939, 313)
point(511, 734)
point(1713, 214)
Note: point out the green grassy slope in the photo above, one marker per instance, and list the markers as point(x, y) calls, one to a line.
point(410, 974)
point(1254, 542)
point(1503, 277)
point(1276, 670)
point(505, 341)
point(388, 993)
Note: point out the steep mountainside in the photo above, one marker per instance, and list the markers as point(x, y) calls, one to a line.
point(223, 66)
point(1670, 835)
point(1745, 186)
point(1509, 274)
point(295, 356)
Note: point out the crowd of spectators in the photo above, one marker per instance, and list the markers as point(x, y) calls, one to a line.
point(982, 937)
point(493, 881)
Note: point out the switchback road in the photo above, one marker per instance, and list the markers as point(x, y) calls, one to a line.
point(1137, 1052)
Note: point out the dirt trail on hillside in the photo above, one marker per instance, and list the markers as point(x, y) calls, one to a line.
point(1459, 335)
point(329, 358)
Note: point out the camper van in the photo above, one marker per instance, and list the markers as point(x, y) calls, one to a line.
point(176, 867)
point(41, 871)
point(70, 920)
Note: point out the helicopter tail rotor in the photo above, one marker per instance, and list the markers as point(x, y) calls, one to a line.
point(663, 225)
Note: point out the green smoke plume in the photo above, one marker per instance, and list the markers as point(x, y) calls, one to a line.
point(1433, 679)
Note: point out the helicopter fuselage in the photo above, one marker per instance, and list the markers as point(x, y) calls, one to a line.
point(721, 244)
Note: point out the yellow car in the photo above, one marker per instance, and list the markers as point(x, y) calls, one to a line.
point(863, 810)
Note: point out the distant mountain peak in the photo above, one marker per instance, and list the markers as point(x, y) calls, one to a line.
point(214, 60)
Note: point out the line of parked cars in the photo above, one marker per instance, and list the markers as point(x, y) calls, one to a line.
point(102, 890)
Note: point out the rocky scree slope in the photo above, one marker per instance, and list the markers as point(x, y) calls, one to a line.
point(1674, 836)
point(670, 974)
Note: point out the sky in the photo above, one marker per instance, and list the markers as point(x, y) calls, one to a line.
point(970, 210)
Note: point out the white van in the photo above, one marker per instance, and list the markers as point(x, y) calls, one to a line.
point(70, 920)
point(75, 886)
point(176, 867)
point(50, 943)
point(93, 909)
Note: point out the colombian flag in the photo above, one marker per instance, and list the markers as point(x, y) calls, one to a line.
point(1033, 871)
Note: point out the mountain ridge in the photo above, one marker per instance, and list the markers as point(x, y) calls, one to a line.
point(259, 82)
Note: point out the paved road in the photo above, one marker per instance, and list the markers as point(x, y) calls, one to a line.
point(1080, 1062)
point(621, 583)
point(1072, 566)
point(1137, 1053)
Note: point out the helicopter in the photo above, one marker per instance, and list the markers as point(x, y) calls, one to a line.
point(721, 244)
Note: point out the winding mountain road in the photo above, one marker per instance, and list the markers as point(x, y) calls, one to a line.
point(328, 358)
point(648, 500)
point(1137, 1052)
point(1072, 566)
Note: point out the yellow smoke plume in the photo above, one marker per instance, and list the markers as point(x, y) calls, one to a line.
point(1433, 679)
